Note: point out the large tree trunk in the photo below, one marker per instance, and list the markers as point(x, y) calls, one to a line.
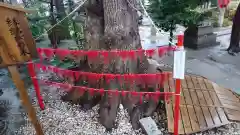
point(120, 32)
point(52, 33)
point(70, 6)
point(235, 35)
point(113, 24)
point(94, 29)
point(65, 34)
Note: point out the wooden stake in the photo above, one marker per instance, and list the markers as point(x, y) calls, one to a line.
point(177, 92)
point(25, 99)
point(22, 90)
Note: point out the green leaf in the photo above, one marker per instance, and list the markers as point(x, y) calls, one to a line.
point(62, 63)
point(167, 13)
point(55, 62)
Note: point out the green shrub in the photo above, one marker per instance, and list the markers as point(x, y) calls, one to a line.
point(36, 29)
point(214, 18)
point(226, 22)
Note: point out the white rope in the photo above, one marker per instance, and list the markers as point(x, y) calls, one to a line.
point(80, 5)
point(154, 25)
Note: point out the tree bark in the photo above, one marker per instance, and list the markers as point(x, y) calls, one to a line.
point(70, 6)
point(94, 25)
point(52, 34)
point(121, 32)
point(113, 24)
point(65, 33)
point(235, 35)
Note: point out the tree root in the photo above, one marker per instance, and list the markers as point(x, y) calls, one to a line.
point(75, 97)
point(108, 111)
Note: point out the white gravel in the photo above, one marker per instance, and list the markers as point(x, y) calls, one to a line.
point(61, 118)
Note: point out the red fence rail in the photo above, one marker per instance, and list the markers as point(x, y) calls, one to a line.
point(156, 78)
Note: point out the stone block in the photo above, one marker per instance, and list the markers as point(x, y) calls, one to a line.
point(149, 126)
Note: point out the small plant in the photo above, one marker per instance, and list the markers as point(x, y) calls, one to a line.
point(37, 29)
point(226, 22)
point(66, 63)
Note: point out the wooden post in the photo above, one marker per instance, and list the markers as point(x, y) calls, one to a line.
point(177, 92)
point(25, 99)
point(22, 90)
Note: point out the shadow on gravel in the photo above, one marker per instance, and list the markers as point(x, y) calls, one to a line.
point(11, 112)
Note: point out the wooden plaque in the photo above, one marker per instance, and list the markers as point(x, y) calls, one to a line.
point(15, 35)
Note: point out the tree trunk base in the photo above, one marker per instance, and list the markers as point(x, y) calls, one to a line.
point(109, 104)
point(114, 25)
point(108, 111)
point(87, 103)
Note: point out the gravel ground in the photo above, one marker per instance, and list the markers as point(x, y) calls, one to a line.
point(61, 118)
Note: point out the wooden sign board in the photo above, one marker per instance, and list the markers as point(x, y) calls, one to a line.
point(17, 45)
point(15, 34)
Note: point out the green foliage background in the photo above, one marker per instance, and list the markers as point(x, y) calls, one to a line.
point(167, 13)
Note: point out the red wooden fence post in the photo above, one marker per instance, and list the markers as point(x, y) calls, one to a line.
point(32, 73)
point(177, 92)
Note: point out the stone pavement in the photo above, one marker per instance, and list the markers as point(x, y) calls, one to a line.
point(223, 30)
point(213, 63)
